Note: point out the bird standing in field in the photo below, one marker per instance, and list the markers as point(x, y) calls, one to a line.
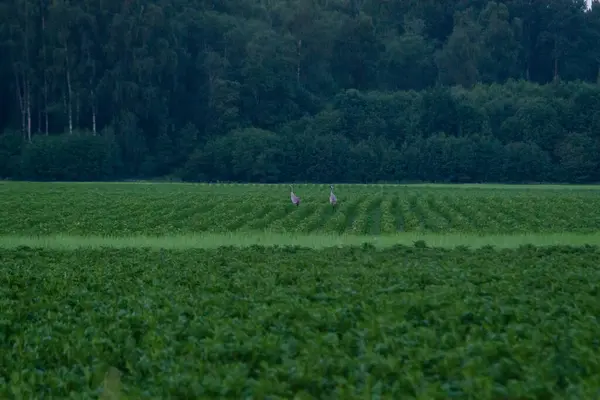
point(332, 198)
point(295, 199)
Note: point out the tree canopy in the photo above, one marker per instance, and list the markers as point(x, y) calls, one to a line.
point(301, 90)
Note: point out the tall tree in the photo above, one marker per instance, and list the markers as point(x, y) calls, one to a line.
point(457, 61)
point(499, 43)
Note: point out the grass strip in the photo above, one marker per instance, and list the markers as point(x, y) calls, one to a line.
point(268, 239)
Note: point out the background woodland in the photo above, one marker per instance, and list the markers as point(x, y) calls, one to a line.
point(300, 90)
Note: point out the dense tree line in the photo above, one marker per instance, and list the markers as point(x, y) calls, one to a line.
point(301, 90)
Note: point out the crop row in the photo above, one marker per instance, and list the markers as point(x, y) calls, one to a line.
point(122, 210)
point(294, 323)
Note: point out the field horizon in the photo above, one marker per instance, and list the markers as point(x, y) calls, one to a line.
point(484, 185)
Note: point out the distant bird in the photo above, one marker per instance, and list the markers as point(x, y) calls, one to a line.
point(295, 199)
point(332, 198)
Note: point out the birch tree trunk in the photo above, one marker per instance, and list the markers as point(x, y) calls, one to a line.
point(93, 99)
point(28, 105)
point(69, 93)
point(26, 74)
point(20, 99)
point(45, 58)
point(299, 54)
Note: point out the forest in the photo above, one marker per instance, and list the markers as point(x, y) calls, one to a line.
point(300, 90)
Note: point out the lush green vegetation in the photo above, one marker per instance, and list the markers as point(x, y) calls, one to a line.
point(302, 302)
point(153, 290)
point(347, 323)
point(166, 209)
point(301, 90)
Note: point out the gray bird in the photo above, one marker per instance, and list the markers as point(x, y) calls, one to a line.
point(332, 198)
point(295, 199)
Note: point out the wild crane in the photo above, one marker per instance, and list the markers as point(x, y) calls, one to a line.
point(295, 199)
point(332, 198)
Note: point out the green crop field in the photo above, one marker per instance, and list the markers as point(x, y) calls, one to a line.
point(231, 292)
point(169, 209)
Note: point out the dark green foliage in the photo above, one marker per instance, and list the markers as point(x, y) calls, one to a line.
point(11, 145)
point(355, 91)
point(70, 158)
point(351, 323)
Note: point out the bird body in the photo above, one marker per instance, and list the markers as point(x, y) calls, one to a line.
point(295, 199)
point(332, 198)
